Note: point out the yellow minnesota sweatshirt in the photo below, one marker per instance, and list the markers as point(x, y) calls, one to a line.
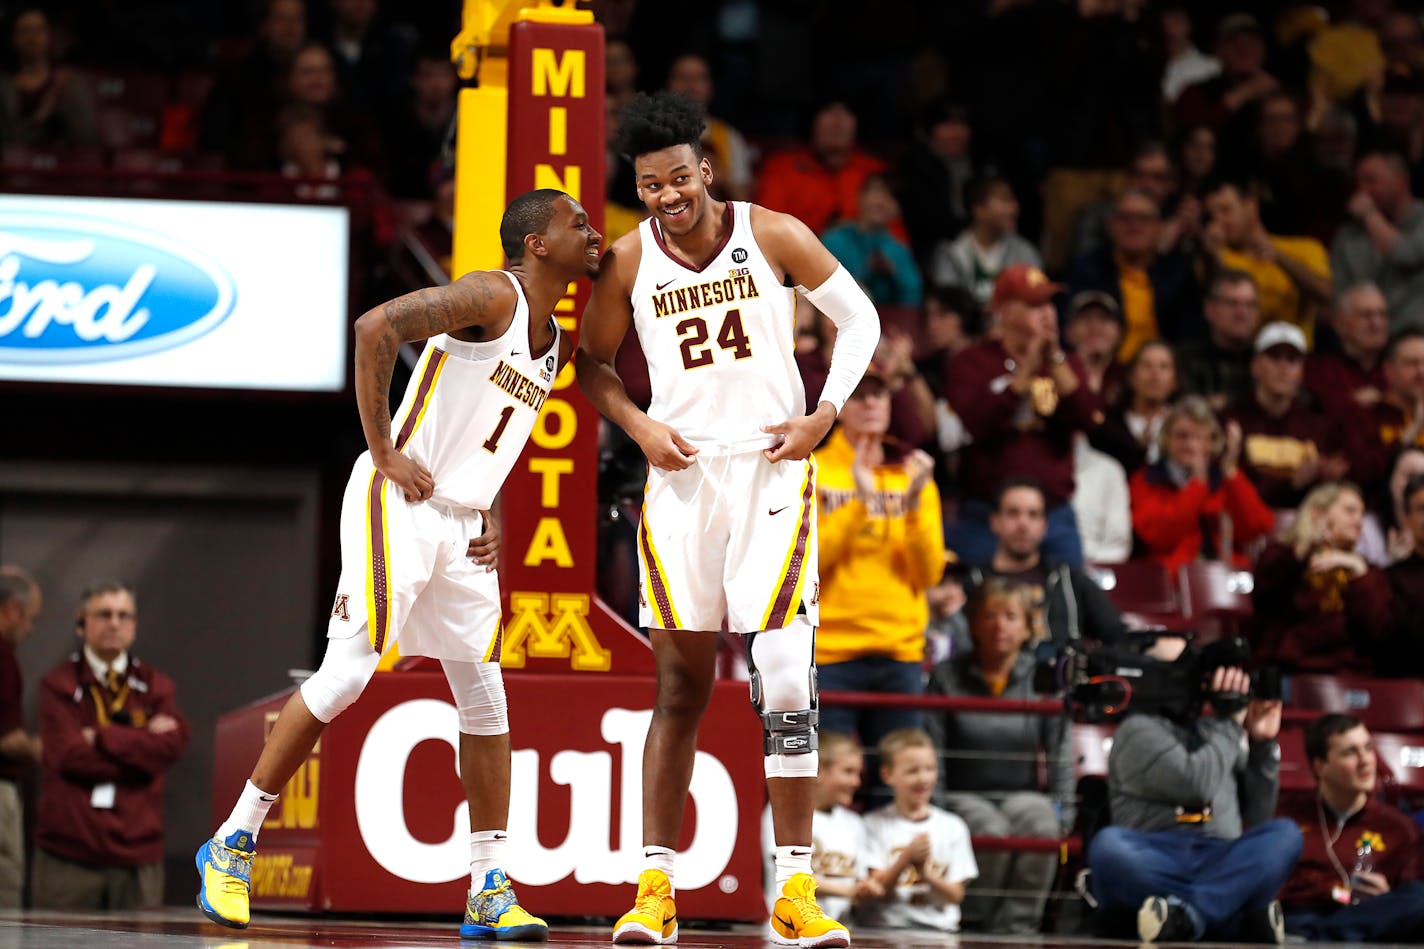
point(877, 559)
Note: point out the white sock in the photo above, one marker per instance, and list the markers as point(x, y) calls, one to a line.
point(248, 813)
point(791, 861)
point(660, 858)
point(486, 854)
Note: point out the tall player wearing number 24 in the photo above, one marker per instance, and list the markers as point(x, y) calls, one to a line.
point(729, 521)
point(418, 545)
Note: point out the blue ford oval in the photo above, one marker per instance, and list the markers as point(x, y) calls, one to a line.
point(86, 289)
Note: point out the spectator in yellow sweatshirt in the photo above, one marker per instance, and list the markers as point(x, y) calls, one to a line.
point(881, 548)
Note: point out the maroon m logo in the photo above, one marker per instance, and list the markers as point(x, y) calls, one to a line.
point(340, 607)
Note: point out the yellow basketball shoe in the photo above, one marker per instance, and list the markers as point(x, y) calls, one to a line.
point(797, 920)
point(224, 877)
point(653, 919)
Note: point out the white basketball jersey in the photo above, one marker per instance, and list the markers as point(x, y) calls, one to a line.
point(469, 408)
point(719, 340)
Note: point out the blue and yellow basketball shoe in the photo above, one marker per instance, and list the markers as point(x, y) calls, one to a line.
point(225, 876)
point(495, 913)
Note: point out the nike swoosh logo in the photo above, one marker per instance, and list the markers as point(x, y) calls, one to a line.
point(501, 836)
point(514, 352)
point(783, 921)
point(670, 919)
point(800, 853)
point(777, 511)
point(661, 285)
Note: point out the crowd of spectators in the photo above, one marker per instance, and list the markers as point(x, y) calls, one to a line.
point(1151, 277)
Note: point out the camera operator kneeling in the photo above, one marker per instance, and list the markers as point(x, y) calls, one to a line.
point(1181, 788)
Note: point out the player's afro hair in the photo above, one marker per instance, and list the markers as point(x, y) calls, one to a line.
point(650, 123)
point(527, 214)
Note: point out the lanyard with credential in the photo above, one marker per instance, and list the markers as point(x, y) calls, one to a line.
point(1341, 893)
point(107, 709)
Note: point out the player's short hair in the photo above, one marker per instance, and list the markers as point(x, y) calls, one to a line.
point(1319, 732)
point(16, 584)
point(527, 214)
point(835, 745)
point(650, 123)
point(900, 739)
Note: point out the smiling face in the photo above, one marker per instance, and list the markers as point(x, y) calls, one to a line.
point(672, 184)
point(570, 240)
point(1343, 521)
point(838, 779)
point(912, 774)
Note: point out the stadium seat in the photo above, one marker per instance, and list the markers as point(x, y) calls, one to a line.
point(1387, 704)
point(1215, 598)
point(1296, 777)
point(1140, 587)
point(1401, 764)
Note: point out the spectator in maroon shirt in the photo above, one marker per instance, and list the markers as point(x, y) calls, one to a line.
point(1324, 900)
point(1319, 606)
point(111, 728)
point(20, 603)
point(1287, 446)
point(1405, 652)
point(1021, 399)
point(1395, 421)
point(1346, 382)
point(1095, 330)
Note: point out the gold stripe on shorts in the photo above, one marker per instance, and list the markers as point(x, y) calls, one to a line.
point(378, 550)
point(793, 577)
point(657, 592)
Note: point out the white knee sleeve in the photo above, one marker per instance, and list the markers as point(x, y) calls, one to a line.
point(478, 691)
point(347, 667)
point(784, 660)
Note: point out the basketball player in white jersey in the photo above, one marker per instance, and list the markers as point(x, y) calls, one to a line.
point(729, 521)
point(417, 543)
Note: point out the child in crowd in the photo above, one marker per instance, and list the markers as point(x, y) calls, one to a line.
point(919, 853)
point(837, 832)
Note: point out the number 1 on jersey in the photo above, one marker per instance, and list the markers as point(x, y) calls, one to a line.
point(505, 415)
point(731, 336)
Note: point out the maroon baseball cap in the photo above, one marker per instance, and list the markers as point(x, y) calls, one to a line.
point(1025, 283)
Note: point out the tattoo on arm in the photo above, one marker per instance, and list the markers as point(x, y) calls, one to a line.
point(380, 382)
point(437, 310)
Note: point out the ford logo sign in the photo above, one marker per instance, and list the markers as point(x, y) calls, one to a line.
point(80, 289)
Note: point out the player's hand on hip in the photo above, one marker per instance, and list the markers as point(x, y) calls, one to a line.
point(413, 480)
point(484, 549)
point(664, 447)
point(800, 436)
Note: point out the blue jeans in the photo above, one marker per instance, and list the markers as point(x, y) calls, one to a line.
point(1216, 879)
point(1396, 916)
point(970, 537)
point(871, 674)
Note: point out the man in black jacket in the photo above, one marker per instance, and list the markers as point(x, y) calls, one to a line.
point(1074, 606)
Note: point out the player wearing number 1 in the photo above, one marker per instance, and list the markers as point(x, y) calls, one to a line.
point(729, 522)
point(418, 545)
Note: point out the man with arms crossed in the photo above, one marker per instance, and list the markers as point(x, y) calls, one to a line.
point(409, 565)
point(728, 526)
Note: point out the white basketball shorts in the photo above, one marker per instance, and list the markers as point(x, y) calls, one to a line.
point(731, 535)
point(405, 575)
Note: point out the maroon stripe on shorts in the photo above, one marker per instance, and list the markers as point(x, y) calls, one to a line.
point(798, 557)
point(380, 583)
point(427, 379)
point(655, 577)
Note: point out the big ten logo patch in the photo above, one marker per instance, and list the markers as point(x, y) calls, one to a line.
point(296, 807)
point(552, 626)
